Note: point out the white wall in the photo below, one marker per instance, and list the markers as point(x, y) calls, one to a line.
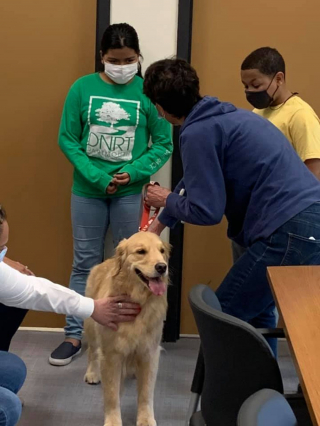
point(156, 23)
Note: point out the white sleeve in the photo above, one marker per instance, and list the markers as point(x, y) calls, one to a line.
point(39, 294)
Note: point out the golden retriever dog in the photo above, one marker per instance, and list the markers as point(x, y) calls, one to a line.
point(140, 270)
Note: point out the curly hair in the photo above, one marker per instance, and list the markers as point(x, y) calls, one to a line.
point(174, 85)
point(266, 59)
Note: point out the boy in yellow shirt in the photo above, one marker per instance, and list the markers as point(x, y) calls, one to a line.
point(263, 76)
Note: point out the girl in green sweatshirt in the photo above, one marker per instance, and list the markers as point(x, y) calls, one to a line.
point(105, 130)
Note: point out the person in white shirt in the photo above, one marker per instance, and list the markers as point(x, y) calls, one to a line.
point(30, 292)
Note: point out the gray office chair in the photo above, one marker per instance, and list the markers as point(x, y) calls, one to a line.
point(198, 377)
point(237, 361)
point(266, 408)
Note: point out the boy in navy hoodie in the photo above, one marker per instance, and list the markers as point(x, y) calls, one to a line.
point(239, 165)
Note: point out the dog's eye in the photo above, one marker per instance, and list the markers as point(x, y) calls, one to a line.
point(162, 250)
point(141, 251)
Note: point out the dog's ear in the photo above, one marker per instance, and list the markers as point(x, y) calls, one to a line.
point(167, 249)
point(119, 257)
point(121, 248)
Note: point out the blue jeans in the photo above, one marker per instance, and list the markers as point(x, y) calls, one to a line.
point(237, 252)
point(12, 376)
point(91, 218)
point(245, 292)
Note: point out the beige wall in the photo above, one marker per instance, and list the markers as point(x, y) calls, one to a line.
point(224, 32)
point(45, 46)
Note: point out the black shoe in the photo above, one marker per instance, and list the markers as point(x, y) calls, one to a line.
point(64, 354)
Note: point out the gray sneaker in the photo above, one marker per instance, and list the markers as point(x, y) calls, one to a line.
point(64, 354)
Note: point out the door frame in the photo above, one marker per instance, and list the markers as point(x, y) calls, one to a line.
point(171, 330)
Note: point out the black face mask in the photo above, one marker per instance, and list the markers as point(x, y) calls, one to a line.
point(262, 99)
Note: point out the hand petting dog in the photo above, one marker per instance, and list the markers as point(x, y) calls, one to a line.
point(112, 310)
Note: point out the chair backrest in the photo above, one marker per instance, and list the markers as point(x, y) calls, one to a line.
point(266, 408)
point(238, 360)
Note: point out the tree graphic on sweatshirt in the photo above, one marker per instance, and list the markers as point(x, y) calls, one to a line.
point(112, 113)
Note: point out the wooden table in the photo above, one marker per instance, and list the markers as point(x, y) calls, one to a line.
point(296, 291)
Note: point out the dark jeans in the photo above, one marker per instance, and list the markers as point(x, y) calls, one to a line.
point(245, 292)
point(10, 320)
point(12, 376)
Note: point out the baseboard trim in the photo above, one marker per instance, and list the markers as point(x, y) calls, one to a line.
point(189, 336)
point(51, 330)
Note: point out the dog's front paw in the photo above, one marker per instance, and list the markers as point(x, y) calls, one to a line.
point(146, 421)
point(113, 423)
point(92, 378)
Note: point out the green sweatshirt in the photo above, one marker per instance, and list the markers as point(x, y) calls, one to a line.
point(105, 129)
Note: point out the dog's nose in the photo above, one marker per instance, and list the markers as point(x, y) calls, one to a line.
point(161, 268)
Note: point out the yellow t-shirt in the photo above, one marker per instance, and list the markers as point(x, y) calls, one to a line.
point(299, 123)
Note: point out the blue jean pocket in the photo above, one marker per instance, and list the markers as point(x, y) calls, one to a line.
point(302, 251)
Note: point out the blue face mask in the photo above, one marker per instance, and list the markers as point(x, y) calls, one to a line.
point(3, 252)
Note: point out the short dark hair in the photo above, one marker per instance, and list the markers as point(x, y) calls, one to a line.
point(266, 59)
point(3, 217)
point(174, 85)
point(118, 36)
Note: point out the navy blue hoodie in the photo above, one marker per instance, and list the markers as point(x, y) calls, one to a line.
point(239, 165)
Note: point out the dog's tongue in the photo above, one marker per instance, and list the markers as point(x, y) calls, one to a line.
point(157, 286)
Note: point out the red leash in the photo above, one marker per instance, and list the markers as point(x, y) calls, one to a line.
point(146, 220)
